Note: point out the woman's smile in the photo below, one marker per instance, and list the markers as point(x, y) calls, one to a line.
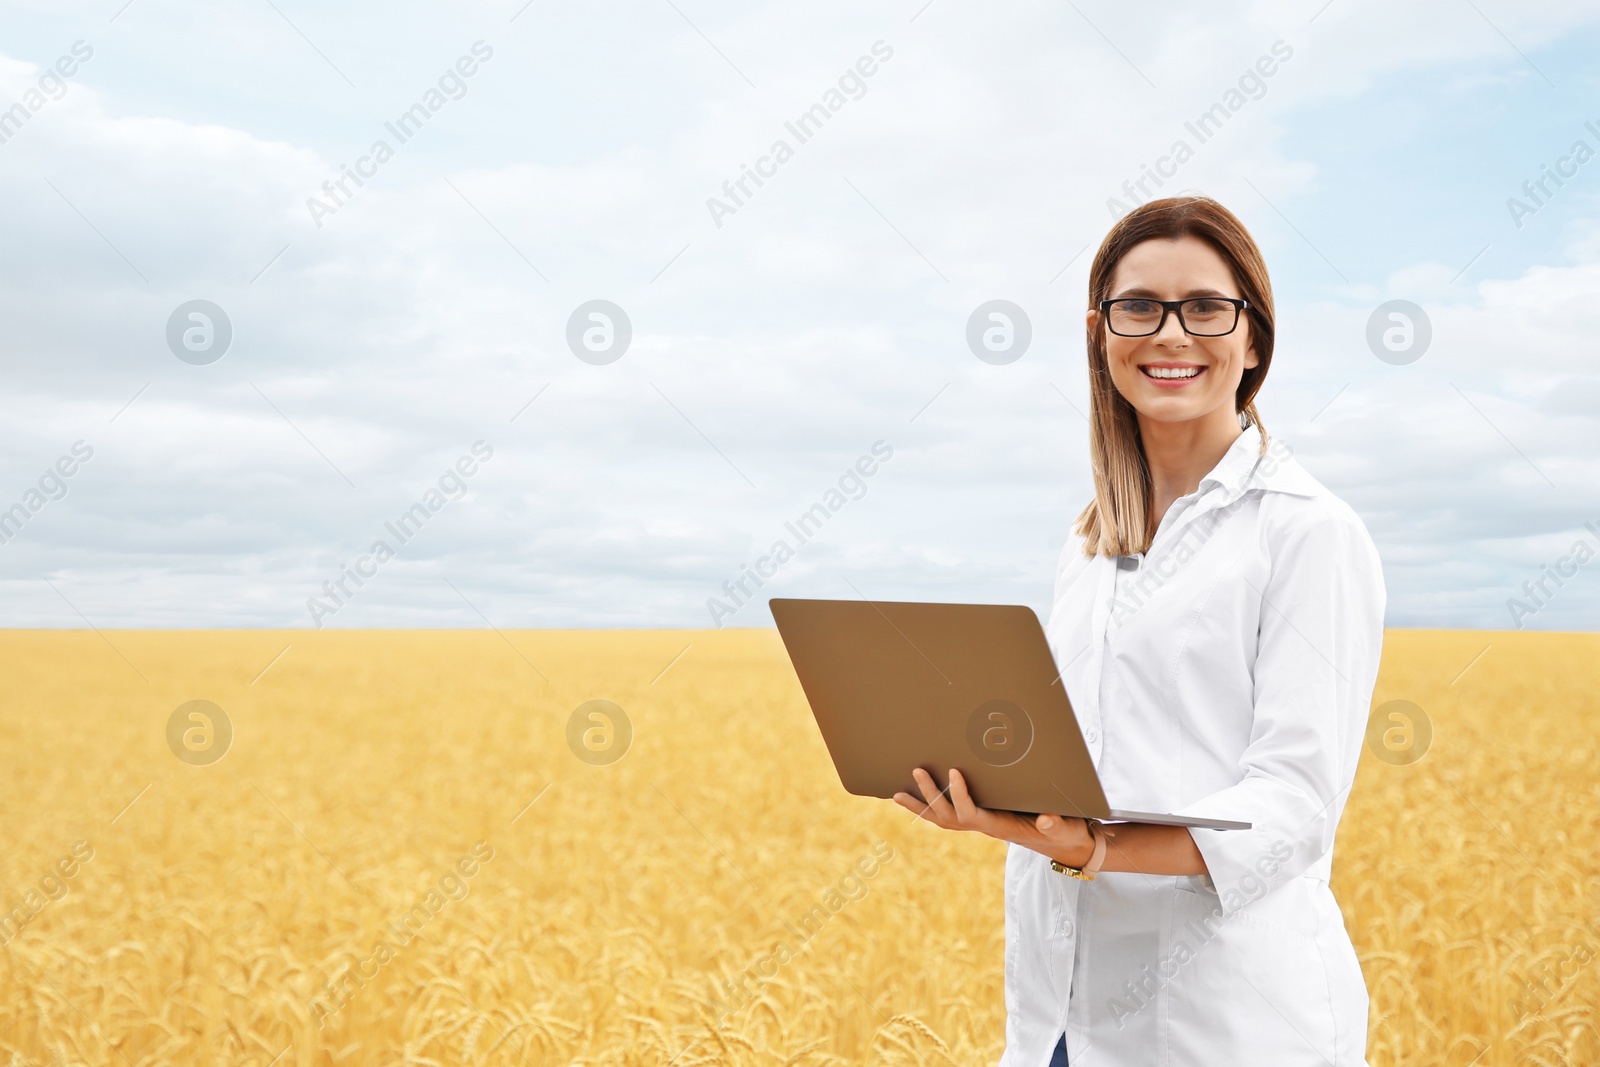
point(1169, 375)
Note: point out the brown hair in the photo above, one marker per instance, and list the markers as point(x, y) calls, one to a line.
point(1116, 521)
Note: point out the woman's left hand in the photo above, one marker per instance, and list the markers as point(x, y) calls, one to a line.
point(1063, 838)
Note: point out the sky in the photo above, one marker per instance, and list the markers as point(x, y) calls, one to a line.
point(420, 343)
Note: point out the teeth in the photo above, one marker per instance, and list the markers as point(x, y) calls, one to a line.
point(1171, 372)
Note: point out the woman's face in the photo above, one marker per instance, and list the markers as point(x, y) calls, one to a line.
point(1208, 368)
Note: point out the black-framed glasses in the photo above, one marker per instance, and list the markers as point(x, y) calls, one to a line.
point(1199, 316)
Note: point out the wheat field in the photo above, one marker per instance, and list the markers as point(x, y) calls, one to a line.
point(401, 858)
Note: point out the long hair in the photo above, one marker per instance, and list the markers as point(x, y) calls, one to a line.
point(1116, 522)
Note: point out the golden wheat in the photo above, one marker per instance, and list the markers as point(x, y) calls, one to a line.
point(628, 906)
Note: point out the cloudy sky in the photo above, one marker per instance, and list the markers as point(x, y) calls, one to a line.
point(157, 154)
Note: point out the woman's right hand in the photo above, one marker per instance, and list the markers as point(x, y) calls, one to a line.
point(1064, 838)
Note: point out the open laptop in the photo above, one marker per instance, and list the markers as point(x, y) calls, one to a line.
point(897, 685)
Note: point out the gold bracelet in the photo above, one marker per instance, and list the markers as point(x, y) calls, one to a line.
point(1088, 871)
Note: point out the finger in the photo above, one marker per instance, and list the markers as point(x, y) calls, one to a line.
point(1000, 825)
point(968, 813)
point(943, 813)
point(1056, 825)
point(911, 804)
point(1060, 829)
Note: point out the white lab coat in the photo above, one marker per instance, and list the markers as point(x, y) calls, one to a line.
point(1228, 673)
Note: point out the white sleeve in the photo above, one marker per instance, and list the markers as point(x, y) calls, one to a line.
point(1321, 633)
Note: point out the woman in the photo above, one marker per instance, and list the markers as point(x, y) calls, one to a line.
point(1218, 617)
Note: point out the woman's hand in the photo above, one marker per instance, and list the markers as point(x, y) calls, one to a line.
point(1063, 838)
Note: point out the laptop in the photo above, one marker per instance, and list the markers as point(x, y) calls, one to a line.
point(897, 685)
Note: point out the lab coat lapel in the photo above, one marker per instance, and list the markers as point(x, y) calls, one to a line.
point(1233, 476)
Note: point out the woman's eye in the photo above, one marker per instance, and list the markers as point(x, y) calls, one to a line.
point(1139, 307)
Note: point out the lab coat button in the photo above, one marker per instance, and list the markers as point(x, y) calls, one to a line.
point(1091, 734)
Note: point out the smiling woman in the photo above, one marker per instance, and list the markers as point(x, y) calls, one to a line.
point(1136, 349)
point(1239, 689)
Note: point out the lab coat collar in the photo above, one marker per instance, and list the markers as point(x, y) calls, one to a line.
point(1245, 467)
